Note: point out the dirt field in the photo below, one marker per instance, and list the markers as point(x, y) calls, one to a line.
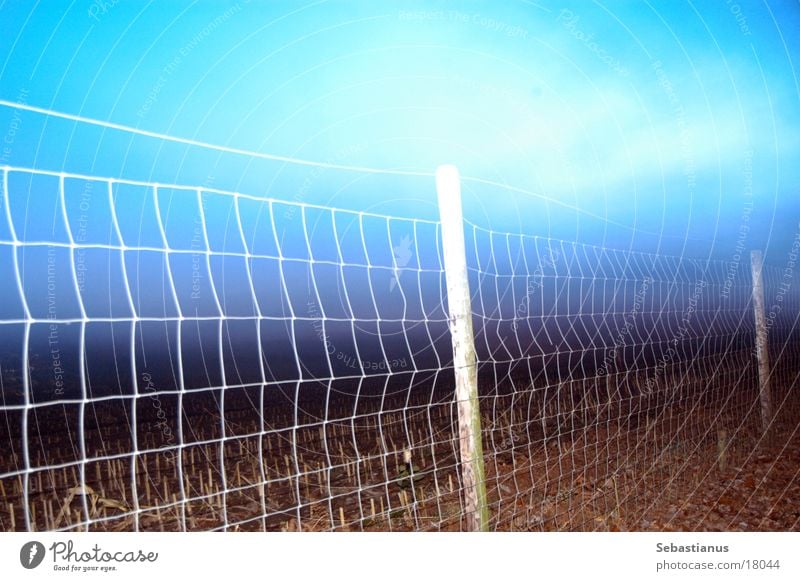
point(635, 463)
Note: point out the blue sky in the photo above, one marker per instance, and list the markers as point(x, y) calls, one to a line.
point(649, 114)
point(669, 128)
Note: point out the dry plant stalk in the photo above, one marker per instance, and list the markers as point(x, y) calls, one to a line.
point(722, 449)
point(97, 502)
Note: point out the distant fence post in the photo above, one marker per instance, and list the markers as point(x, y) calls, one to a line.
point(448, 187)
point(761, 340)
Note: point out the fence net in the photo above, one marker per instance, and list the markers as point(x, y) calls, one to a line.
point(610, 380)
point(178, 358)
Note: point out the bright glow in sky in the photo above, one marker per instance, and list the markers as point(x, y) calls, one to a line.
point(668, 118)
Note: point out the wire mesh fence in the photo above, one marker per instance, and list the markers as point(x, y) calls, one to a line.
point(180, 358)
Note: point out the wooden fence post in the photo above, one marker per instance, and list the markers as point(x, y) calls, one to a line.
point(448, 187)
point(761, 340)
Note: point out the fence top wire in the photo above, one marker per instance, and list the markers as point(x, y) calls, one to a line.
point(328, 165)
